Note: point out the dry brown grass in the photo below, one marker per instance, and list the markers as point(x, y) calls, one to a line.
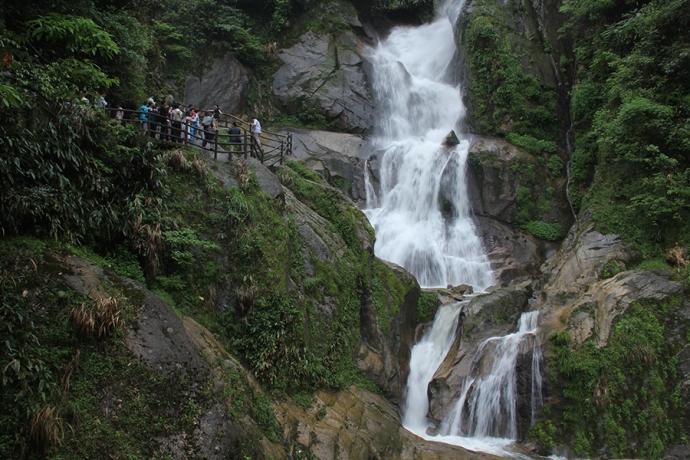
point(246, 295)
point(677, 256)
point(178, 162)
point(148, 243)
point(242, 173)
point(199, 167)
point(68, 371)
point(45, 429)
point(98, 322)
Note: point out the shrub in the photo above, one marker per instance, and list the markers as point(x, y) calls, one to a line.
point(545, 230)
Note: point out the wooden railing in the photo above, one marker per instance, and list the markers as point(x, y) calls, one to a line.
point(271, 148)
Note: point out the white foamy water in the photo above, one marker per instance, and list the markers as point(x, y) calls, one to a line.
point(422, 214)
point(422, 218)
point(484, 417)
point(487, 406)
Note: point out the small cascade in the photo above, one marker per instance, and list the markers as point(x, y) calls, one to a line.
point(487, 406)
point(372, 199)
point(485, 416)
point(427, 355)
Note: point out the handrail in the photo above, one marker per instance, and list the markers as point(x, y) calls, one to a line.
point(244, 122)
point(166, 130)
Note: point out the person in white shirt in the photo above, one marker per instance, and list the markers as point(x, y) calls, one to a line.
point(176, 116)
point(255, 128)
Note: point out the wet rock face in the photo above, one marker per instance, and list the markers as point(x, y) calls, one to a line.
point(385, 358)
point(329, 70)
point(224, 83)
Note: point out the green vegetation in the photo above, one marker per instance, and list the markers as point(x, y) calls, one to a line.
point(45, 364)
point(630, 108)
point(504, 98)
point(536, 200)
point(545, 230)
point(620, 400)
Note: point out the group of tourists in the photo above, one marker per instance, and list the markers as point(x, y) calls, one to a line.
point(172, 122)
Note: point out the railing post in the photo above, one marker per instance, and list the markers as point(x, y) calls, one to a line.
point(215, 145)
point(282, 152)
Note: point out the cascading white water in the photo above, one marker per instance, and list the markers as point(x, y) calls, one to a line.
point(487, 406)
point(422, 214)
point(485, 415)
point(427, 355)
point(423, 222)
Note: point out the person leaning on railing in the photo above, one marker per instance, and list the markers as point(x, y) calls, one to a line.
point(235, 134)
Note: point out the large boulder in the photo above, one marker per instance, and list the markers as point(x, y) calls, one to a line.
point(328, 70)
point(595, 312)
point(339, 157)
point(224, 82)
point(581, 260)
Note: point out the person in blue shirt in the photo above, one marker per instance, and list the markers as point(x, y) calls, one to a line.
point(144, 116)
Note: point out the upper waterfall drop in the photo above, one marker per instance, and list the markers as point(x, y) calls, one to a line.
point(422, 212)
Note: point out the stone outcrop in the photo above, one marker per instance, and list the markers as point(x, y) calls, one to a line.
point(224, 82)
point(494, 178)
point(327, 69)
point(606, 300)
point(581, 259)
point(180, 350)
point(356, 424)
point(339, 157)
point(385, 356)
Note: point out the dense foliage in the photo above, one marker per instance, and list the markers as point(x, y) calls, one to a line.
point(632, 119)
point(623, 399)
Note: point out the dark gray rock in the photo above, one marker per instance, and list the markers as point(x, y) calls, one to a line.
point(514, 254)
point(493, 181)
point(224, 83)
point(314, 230)
point(339, 157)
point(268, 182)
point(678, 453)
point(327, 69)
point(160, 340)
point(384, 356)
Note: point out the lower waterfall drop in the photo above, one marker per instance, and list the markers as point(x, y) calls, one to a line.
point(485, 415)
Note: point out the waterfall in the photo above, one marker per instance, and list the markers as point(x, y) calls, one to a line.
point(372, 199)
point(485, 416)
point(426, 357)
point(422, 214)
point(423, 222)
point(487, 406)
